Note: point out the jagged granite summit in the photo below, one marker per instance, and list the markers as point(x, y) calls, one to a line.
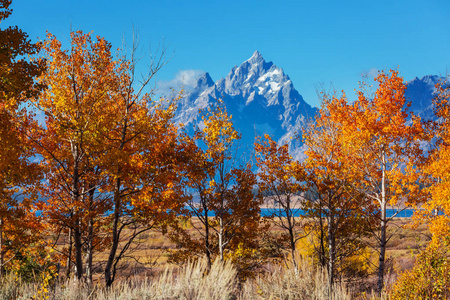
point(259, 96)
point(262, 99)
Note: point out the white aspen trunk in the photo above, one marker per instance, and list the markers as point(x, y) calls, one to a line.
point(207, 246)
point(383, 225)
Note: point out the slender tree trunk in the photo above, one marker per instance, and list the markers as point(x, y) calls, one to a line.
point(221, 232)
point(69, 255)
point(322, 241)
point(331, 250)
point(78, 254)
point(75, 198)
point(109, 273)
point(291, 232)
point(291, 235)
point(2, 259)
point(90, 240)
point(221, 213)
point(207, 245)
point(89, 251)
point(292, 242)
point(382, 257)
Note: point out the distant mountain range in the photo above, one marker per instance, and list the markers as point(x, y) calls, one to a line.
point(262, 99)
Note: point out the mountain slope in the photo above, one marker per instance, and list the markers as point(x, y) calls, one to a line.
point(421, 92)
point(262, 99)
point(259, 96)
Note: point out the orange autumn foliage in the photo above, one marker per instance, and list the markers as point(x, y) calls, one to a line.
point(18, 224)
point(436, 169)
point(111, 153)
point(383, 147)
point(220, 186)
point(281, 181)
point(79, 83)
point(368, 153)
point(342, 215)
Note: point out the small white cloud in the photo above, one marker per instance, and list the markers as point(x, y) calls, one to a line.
point(371, 74)
point(189, 77)
point(184, 79)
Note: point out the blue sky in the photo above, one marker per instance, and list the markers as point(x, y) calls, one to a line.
point(313, 41)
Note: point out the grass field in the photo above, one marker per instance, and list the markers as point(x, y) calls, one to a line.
point(152, 250)
point(146, 274)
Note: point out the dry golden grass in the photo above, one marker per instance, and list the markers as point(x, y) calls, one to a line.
point(191, 282)
point(152, 251)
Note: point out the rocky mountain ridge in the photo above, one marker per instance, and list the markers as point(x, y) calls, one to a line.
point(262, 99)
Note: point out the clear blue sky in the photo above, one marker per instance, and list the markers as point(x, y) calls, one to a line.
point(313, 41)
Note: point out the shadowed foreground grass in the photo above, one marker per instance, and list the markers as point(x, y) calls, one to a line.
point(190, 282)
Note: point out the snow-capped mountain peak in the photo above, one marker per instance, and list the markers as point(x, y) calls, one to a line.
point(205, 81)
point(255, 57)
point(261, 98)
